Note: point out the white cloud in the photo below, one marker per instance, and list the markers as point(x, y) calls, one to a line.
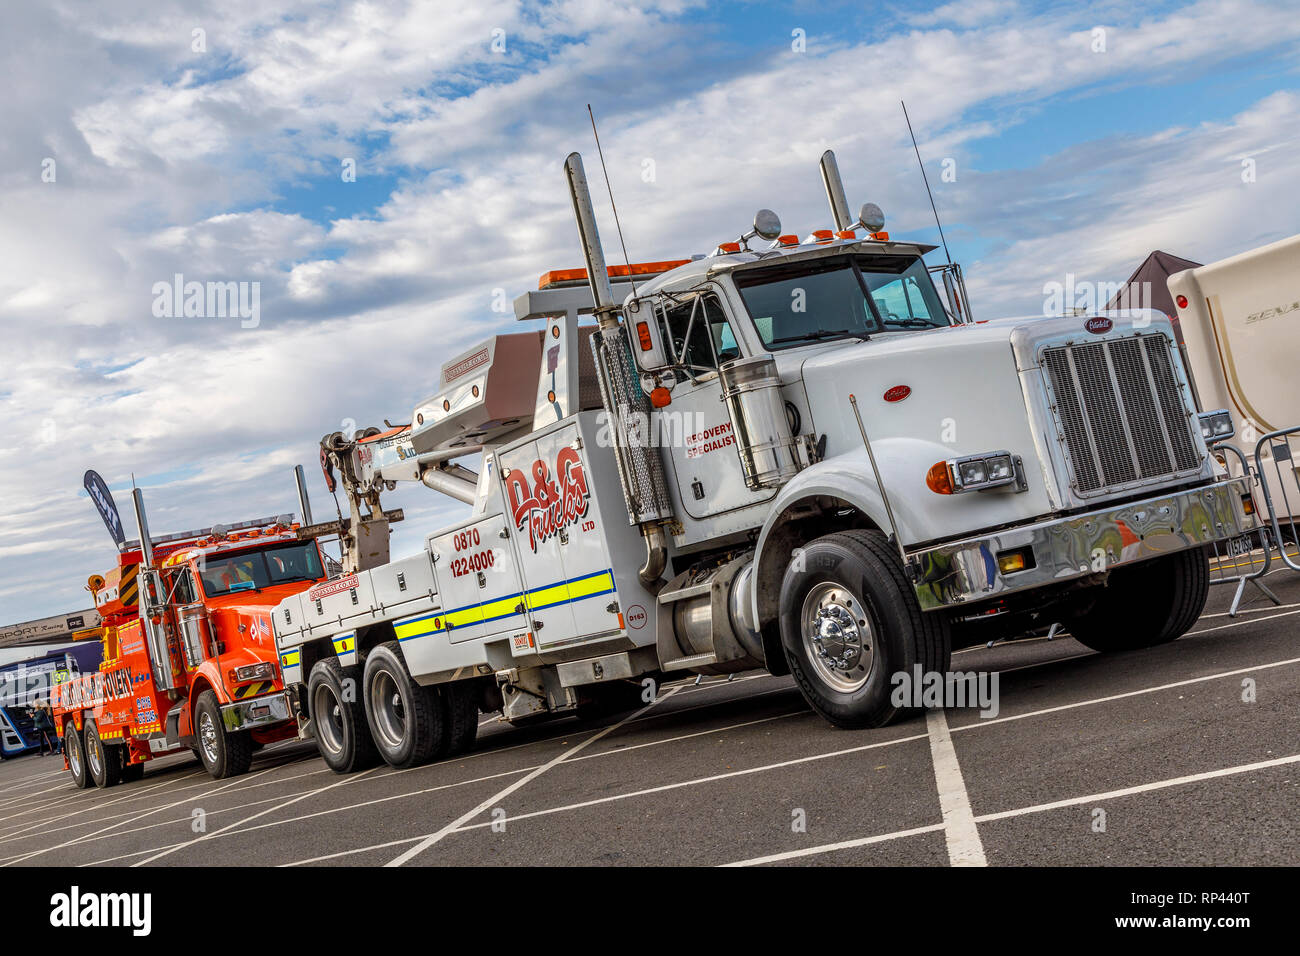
point(168, 162)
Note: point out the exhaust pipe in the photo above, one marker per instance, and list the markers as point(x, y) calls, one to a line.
point(585, 214)
point(640, 469)
point(835, 194)
point(304, 504)
point(142, 526)
point(165, 676)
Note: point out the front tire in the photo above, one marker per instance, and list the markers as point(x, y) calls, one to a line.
point(408, 722)
point(849, 622)
point(223, 754)
point(104, 767)
point(339, 717)
point(76, 751)
point(1151, 603)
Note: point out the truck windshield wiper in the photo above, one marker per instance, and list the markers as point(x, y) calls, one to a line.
point(858, 334)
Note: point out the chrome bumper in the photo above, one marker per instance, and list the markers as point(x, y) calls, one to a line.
point(256, 712)
point(1080, 545)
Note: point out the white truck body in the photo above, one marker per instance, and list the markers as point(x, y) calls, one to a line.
point(612, 537)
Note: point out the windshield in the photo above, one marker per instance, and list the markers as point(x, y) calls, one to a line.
point(840, 297)
point(254, 570)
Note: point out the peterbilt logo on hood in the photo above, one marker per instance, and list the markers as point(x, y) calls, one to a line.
point(897, 393)
point(1099, 325)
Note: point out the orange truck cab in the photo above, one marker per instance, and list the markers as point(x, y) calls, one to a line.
point(189, 655)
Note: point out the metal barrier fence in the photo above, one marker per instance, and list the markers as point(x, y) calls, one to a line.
point(1247, 558)
point(1281, 487)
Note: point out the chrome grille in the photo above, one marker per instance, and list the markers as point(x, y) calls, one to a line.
point(1121, 412)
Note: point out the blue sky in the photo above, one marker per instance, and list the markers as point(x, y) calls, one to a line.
point(223, 163)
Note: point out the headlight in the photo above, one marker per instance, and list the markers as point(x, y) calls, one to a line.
point(1216, 426)
point(994, 469)
point(263, 671)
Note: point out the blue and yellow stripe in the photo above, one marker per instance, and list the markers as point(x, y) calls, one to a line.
point(345, 647)
point(291, 666)
point(537, 599)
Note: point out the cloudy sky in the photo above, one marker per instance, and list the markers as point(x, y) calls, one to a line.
point(141, 139)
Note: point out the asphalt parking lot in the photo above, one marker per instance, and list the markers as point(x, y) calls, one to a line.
point(1182, 754)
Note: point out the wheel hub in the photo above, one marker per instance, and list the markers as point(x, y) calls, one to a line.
point(838, 637)
point(208, 737)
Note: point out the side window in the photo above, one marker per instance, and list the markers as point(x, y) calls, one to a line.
point(183, 590)
point(901, 301)
point(711, 338)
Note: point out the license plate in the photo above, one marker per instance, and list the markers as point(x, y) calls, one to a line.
point(1242, 544)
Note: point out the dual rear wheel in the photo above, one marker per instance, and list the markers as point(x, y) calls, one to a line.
point(378, 712)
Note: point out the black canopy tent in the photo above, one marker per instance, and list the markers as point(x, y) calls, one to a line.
point(1148, 287)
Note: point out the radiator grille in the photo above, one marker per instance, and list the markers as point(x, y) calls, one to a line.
point(1121, 412)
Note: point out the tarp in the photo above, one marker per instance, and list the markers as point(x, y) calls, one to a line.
point(1148, 288)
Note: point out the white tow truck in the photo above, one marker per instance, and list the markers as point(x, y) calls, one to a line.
point(789, 454)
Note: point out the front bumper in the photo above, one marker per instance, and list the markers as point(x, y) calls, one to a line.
point(1075, 547)
point(256, 712)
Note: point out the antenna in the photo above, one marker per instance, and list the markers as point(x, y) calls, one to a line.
point(927, 184)
point(608, 188)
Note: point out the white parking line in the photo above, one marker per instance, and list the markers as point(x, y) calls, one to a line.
point(1140, 788)
point(960, 832)
point(886, 743)
point(44, 826)
point(261, 813)
point(699, 780)
point(1248, 610)
point(405, 794)
point(989, 721)
point(496, 798)
point(1023, 811)
point(141, 816)
point(832, 847)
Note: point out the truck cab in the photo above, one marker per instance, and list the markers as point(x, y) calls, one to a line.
point(189, 655)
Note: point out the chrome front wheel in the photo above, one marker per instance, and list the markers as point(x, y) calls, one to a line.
point(208, 739)
point(838, 637)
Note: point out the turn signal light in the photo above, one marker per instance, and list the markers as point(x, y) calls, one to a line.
point(938, 480)
point(643, 336)
point(660, 396)
point(1009, 562)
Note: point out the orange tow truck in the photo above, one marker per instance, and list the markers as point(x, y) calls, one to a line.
point(189, 655)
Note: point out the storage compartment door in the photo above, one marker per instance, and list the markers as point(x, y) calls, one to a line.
point(584, 551)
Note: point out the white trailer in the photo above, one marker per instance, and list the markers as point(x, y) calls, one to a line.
point(791, 455)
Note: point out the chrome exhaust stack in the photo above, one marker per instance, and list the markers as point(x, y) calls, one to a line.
point(640, 468)
point(152, 605)
point(835, 194)
point(304, 504)
point(584, 213)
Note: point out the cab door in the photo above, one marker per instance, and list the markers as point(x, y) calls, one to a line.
point(696, 427)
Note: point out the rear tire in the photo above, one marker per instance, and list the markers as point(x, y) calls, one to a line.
point(460, 701)
point(223, 754)
point(408, 722)
point(1151, 603)
point(338, 716)
point(76, 750)
point(605, 700)
point(849, 622)
point(103, 765)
